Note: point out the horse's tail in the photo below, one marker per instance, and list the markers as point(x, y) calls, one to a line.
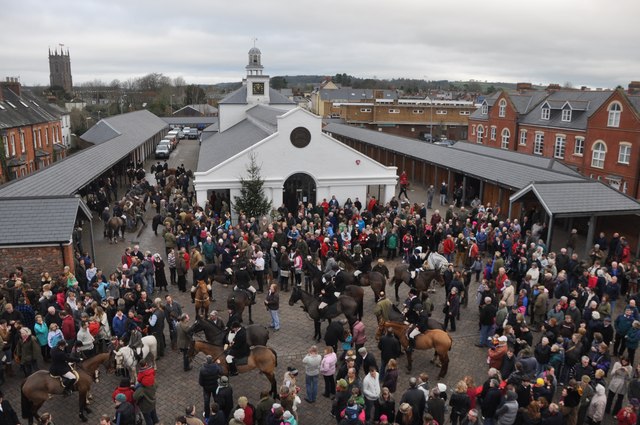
point(275, 354)
point(26, 404)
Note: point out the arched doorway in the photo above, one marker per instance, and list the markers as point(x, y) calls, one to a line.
point(299, 187)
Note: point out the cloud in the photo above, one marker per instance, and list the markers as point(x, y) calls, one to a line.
point(587, 42)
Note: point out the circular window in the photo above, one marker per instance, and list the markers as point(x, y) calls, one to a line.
point(300, 137)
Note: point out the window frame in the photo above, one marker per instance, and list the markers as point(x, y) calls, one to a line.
point(566, 115)
point(538, 143)
point(366, 110)
point(484, 109)
point(523, 138)
point(545, 113)
point(627, 147)
point(613, 117)
point(598, 162)
point(561, 143)
point(480, 134)
point(576, 151)
point(394, 111)
point(493, 133)
point(505, 138)
point(502, 108)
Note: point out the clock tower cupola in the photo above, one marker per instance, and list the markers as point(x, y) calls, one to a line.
point(257, 82)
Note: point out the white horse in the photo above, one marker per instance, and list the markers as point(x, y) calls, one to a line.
point(126, 358)
point(436, 261)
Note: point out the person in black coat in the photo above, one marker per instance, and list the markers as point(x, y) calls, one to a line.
point(208, 377)
point(491, 400)
point(365, 360)
point(239, 347)
point(334, 334)
point(8, 416)
point(389, 349)
point(60, 366)
point(415, 397)
point(224, 396)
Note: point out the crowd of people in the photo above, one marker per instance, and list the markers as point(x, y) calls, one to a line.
point(560, 331)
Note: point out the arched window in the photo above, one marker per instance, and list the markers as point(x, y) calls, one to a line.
point(506, 135)
point(614, 115)
point(502, 110)
point(598, 154)
point(479, 134)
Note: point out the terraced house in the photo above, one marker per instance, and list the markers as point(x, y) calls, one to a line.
point(596, 132)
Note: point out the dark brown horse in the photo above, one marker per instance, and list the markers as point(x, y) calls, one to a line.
point(262, 358)
point(375, 280)
point(256, 334)
point(434, 338)
point(39, 386)
point(345, 305)
point(238, 300)
point(422, 281)
point(202, 299)
point(115, 227)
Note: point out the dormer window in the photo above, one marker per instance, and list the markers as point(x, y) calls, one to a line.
point(546, 113)
point(566, 115)
point(502, 110)
point(485, 109)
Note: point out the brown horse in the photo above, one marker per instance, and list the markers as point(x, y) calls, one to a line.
point(434, 338)
point(115, 227)
point(374, 279)
point(39, 386)
point(262, 358)
point(238, 300)
point(422, 281)
point(202, 299)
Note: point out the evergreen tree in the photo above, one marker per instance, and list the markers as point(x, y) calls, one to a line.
point(252, 201)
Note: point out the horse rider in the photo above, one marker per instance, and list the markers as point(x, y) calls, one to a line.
point(410, 316)
point(419, 326)
point(236, 347)
point(60, 367)
point(200, 273)
point(327, 295)
point(339, 277)
point(243, 281)
point(415, 265)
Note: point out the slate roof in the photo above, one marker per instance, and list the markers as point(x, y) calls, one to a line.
point(219, 147)
point(266, 116)
point(635, 101)
point(50, 219)
point(239, 97)
point(585, 197)
point(505, 172)
point(66, 177)
point(27, 109)
point(190, 120)
point(523, 101)
point(349, 94)
point(203, 108)
point(591, 99)
point(101, 132)
point(520, 158)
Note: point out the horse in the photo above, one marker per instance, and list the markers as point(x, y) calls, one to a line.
point(202, 299)
point(40, 386)
point(433, 338)
point(357, 293)
point(125, 357)
point(238, 300)
point(256, 334)
point(115, 227)
point(263, 358)
point(396, 315)
point(422, 281)
point(345, 305)
point(374, 279)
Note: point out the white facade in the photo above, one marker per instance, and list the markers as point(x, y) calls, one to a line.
point(65, 126)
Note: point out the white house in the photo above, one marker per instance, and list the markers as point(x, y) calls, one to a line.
point(299, 163)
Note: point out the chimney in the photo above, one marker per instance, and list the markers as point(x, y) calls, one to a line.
point(13, 84)
point(584, 88)
point(634, 87)
point(523, 86)
point(553, 88)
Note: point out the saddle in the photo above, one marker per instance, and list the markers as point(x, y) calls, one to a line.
point(61, 378)
point(239, 361)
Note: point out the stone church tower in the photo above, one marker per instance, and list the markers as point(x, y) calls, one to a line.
point(60, 69)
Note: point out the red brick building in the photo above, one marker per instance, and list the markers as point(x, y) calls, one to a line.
point(30, 131)
point(595, 132)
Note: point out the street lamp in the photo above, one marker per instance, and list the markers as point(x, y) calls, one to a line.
point(172, 96)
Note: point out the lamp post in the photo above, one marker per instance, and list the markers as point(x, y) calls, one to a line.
point(172, 96)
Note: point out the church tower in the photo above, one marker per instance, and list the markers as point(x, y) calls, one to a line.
point(60, 69)
point(257, 82)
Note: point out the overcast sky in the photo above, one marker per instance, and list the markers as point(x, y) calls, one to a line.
point(585, 42)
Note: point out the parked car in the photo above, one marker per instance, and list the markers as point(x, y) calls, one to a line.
point(162, 151)
point(191, 134)
point(166, 143)
point(445, 142)
point(177, 133)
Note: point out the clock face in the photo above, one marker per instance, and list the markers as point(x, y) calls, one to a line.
point(258, 88)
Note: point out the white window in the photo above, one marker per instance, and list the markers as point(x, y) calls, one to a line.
point(599, 152)
point(561, 144)
point(579, 146)
point(493, 133)
point(624, 187)
point(22, 147)
point(566, 115)
point(34, 140)
point(485, 109)
point(465, 113)
point(473, 130)
point(394, 111)
point(418, 111)
point(39, 138)
point(441, 112)
point(506, 134)
point(546, 113)
point(523, 137)
point(614, 115)
point(365, 109)
point(13, 145)
point(480, 134)
point(538, 143)
point(624, 156)
point(502, 109)
point(5, 142)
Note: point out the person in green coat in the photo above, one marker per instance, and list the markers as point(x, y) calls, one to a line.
point(392, 245)
point(145, 398)
point(28, 351)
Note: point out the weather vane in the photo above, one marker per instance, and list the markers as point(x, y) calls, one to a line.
point(254, 41)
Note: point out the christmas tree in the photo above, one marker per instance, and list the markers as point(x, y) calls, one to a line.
point(252, 201)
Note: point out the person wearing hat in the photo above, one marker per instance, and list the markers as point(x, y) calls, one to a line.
point(497, 353)
point(452, 309)
point(208, 379)
point(288, 418)
point(237, 346)
point(381, 268)
point(340, 401)
point(60, 366)
point(125, 412)
point(224, 396)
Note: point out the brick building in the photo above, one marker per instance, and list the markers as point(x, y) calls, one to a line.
point(30, 131)
point(595, 132)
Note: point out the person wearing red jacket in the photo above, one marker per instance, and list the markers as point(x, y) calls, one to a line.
point(448, 247)
point(372, 204)
point(627, 416)
point(124, 388)
point(404, 184)
point(68, 326)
